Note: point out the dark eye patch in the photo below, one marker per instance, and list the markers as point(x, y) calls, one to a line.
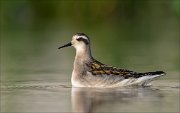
point(84, 40)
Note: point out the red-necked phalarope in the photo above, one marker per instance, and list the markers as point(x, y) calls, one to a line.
point(89, 72)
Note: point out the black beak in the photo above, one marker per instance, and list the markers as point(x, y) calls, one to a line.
point(66, 45)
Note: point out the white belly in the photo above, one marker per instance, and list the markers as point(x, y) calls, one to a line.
point(104, 81)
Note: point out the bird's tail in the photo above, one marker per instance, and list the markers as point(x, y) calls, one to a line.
point(147, 77)
point(160, 73)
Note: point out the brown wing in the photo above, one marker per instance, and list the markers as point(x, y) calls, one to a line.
point(98, 68)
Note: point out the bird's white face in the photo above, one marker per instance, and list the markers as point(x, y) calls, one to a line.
point(80, 41)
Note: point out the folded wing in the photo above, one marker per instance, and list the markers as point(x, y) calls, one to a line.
point(97, 68)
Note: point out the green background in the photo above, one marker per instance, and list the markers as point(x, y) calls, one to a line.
point(141, 35)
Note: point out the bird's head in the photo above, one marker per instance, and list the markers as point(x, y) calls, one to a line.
point(80, 41)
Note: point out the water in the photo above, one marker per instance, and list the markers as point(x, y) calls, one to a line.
point(38, 96)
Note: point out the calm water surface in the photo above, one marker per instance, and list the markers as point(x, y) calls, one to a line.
point(59, 96)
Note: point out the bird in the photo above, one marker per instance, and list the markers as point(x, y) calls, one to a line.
point(89, 72)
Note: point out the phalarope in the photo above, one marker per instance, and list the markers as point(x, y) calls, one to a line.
point(89, 72)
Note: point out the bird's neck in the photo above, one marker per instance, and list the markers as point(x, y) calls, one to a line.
point(83, 55)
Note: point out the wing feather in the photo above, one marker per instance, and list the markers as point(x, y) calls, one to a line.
point(98, 68)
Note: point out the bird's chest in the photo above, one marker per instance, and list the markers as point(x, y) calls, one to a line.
point(79, 75)
point(80, 69)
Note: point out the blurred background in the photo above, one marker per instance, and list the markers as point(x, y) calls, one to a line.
point(137, 35)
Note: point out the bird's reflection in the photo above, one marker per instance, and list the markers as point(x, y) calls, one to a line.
point(85, 100)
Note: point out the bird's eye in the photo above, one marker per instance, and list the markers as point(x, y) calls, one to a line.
point(83, 40)
point(79, 39)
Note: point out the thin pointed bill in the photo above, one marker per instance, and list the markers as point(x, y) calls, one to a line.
point(66, 45)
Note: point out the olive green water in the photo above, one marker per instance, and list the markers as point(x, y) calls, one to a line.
point(136, 35)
